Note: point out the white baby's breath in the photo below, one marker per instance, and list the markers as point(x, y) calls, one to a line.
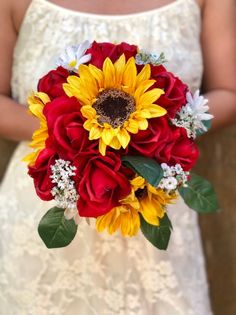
point(192, 115)
point(74, 56)
point(144, 57)
point(173, 177)
point(64, 191)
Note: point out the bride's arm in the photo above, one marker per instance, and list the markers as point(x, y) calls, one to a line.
point(15, 123)
point(219, 54)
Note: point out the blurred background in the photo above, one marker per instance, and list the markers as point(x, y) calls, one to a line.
point(218, 164)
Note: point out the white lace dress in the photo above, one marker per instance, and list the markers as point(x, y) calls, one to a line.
point(98, 274)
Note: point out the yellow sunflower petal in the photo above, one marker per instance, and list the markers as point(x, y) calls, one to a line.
point(88, 111)
point(31, 157)
point(159, 207)
point(87, 81)
point(119, 67)
point(138, 182)
point(103, 221)
point(132, 126)
point(149, 97)
point(125, 225)
point(98, 75)
point(102, 147)
point(107, 135)
point(68, 89)
point(144, 113)
point(131, 200)
point(142, 88)
point(36, 103)
point(115, 225)
point(143, 124)
point(123, 137)
point(144, 74)
point(90, 123)
point(83, 91)
point(109, 74)
point(149, 211)
point(130, 223)
point(115, 143)
point(71, 91)
point(95, 133)
point(156, 111)
point(43, 97)
point(129, 76)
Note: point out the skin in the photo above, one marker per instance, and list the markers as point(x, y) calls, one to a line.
point(218, 45)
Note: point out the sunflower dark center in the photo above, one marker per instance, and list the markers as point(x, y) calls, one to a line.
point(114, 107)
point(141, 193)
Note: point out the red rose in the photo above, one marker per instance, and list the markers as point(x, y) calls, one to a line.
point(179, 150)
point(175, 90)
point(166, 143)
point(100, 51)
point(146, 142)
point(41, 172)
point(102, 185)
point(65, 125)
point(51, 83)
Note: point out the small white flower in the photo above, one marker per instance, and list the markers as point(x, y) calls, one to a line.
point(74, 56)
point(72, 213)
point(169, 183)
point(199, 106)
point(173, 176)
point(178, 169)
point(192, 115)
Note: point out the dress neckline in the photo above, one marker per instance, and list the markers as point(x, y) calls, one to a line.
point(161, 9)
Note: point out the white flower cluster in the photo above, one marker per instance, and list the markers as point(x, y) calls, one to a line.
point(74, 56)
point(144, 57)
point(64, 191)
point(192, 115)
point(174, 176)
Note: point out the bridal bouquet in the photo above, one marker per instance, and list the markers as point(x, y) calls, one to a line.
point(115, 143)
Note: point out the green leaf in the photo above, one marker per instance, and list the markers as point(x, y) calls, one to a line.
point(55, 230)
point(145, 167)
point(207, 124)
point(199, 195)
point(159, 236)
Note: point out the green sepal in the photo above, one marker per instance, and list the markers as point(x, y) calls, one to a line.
point(159, 236)
point(199, 195)
point(145, 167)
point(55, 230)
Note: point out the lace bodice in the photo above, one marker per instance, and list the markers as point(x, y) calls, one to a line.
point(48, 28)
point(98, 274)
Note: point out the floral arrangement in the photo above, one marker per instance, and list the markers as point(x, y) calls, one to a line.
point(116, 143)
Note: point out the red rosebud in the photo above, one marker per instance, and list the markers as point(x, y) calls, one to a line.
point(102, 185)
point(175, 90)
point(51, 83)
point(100, 51)
point(41, 172)
point(65, 125)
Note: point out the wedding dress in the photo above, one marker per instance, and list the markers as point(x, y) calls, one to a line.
point(98, 274)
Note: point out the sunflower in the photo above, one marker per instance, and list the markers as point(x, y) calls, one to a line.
point(145, 199)
point(36, 104)
point(116, 100)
